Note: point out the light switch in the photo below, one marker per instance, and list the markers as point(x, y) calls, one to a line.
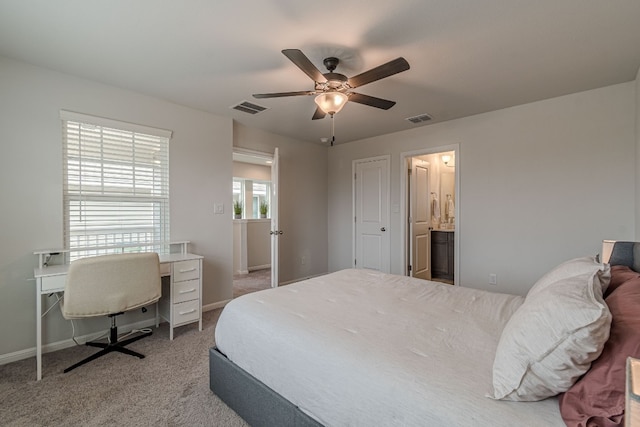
point(218, 208)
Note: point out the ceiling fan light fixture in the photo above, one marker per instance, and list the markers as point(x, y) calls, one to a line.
point(331, 102)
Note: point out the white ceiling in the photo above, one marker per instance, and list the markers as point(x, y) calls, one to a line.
point(466, 56)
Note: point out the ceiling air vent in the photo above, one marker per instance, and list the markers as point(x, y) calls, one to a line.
point(248, 107)
point(419, 119)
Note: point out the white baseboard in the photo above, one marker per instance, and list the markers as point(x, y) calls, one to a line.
point(47, 348)
point(301, 279)
point(60, 345)
point(260, 267)
point(242, 271)
point(215, 305)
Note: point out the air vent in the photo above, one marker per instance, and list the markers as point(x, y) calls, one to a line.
point(419, 119)
point(248, 107)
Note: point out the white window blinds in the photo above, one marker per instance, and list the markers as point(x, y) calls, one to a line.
point(116, 186)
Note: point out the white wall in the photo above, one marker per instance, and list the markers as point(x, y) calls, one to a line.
point(31, 190)
point(539, 184)
point(302, 210)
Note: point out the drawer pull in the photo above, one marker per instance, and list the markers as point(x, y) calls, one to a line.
point(193, 310)
point(186, 291)
point(188, 270)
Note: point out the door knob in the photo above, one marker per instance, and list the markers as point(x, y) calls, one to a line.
point(281, 232)
point(383, 229)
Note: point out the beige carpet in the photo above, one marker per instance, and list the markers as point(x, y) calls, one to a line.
point(170, 387)
point(252, 282)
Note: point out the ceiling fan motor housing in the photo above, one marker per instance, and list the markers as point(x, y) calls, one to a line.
point(335, 81)
point(331, 63)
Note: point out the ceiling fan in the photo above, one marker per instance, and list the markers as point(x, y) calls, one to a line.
point(335, 89)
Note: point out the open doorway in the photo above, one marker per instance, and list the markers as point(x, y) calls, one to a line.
point(430, 188)
point(255, 202)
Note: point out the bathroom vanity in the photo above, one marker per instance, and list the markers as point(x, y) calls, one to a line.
point(442, 254)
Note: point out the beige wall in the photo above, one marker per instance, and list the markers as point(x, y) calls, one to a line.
point(251, 245)
point(258, 243)
point(31, 190)
point(539, 184)
point(251, 171)
point(303, 200)
point(637, 175)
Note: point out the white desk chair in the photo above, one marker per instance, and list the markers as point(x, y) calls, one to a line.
point(109, 285)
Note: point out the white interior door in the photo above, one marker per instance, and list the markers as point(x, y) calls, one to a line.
point(371, 210)
point(275, 231)
point(420, 219)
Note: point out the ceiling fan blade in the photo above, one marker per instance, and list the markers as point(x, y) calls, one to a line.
point(371, 101)
point(396, 66)
point(297, 57)
point(283, 94)
point(319, 114)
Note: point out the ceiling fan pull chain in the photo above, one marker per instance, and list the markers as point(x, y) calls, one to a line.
point(333, 130)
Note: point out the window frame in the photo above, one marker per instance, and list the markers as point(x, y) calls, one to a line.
point(120, 187)
point(254, 212)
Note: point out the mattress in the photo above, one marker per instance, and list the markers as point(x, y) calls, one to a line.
point(362, 348)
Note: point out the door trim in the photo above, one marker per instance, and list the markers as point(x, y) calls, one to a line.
point(404, 176)
point(354, 164)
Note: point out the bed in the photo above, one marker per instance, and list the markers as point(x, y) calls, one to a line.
point(360, 347)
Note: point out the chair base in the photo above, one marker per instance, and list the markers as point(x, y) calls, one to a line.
point(113, 345)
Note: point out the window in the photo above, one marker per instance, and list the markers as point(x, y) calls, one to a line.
point(238, 197)
point(116, 186)
point(260, 196)
point(257, 193)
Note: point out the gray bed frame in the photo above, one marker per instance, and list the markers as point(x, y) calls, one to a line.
point(256, 403)
point(260, 406)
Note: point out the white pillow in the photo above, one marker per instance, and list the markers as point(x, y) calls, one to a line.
point(571, 268)
point(553, 337)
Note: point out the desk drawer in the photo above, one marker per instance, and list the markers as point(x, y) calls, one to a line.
point(186, 270)
point(186, 291)
point(53, 283)
point(186, 312)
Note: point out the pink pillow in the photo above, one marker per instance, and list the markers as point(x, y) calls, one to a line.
point(619, 275)
point(597, 399)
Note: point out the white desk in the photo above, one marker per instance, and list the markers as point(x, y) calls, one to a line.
point(180, 304)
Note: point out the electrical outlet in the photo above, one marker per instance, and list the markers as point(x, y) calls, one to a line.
point(218, 208)
point(493, 279)
point(303, 260)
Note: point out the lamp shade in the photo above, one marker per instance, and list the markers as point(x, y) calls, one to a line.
point(331, 102)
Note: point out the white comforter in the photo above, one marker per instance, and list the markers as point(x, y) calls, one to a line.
point(363, 348)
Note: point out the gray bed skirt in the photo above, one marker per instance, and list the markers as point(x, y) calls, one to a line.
point(256, 403)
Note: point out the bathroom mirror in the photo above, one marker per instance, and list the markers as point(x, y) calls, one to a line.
point(447, 192)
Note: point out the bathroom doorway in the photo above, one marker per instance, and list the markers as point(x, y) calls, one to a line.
point(430, 188)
